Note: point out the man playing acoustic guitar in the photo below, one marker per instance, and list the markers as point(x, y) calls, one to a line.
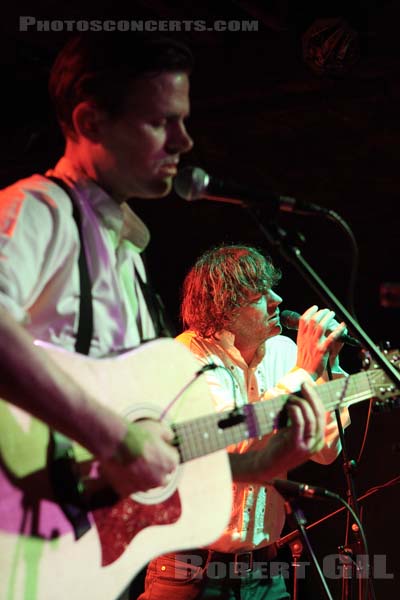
point(122, 102)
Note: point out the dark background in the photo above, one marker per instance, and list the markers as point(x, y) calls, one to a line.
point(265, 115)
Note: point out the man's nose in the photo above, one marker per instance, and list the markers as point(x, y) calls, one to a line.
point(180, 141)
point(274, 298)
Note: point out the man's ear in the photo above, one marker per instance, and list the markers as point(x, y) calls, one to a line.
point(87, 119)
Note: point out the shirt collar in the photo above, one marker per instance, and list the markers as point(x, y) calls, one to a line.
point(227, 340)
point(120, 218)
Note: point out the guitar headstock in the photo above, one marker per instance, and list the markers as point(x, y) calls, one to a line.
point(386, 394)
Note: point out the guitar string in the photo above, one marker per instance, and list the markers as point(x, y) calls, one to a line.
point(268, 411)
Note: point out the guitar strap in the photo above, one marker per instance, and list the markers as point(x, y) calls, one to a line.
point(162, 324)
point(67, 486)
point(85, 325)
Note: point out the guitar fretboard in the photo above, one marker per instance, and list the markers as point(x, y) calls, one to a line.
point(210, 433)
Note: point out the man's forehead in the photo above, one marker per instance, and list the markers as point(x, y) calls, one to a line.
point(159, 88)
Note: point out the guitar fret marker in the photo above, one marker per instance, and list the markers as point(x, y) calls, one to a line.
point(251, 419)
point(208, 434)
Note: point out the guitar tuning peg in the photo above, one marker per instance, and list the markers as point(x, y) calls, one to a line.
point(385, 346)
point(365, 359)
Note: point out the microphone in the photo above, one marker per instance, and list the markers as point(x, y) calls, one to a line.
point(192, 183)
point(290, 320)
point(294, 489)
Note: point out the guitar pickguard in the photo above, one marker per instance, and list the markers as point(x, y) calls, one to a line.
point(118, 525)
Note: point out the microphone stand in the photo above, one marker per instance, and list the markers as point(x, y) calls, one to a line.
point(348, 551)
point(296, 548)
point(288, 246)
point(296, 516)
point(292, 539)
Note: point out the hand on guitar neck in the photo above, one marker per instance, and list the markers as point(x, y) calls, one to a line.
point(291, 446)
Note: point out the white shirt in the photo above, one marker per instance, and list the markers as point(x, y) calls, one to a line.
point(258, 514)
point(39, 273)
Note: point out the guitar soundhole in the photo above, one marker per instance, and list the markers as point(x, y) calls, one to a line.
point(159, 494)
point(118, 525)
point(162, 493)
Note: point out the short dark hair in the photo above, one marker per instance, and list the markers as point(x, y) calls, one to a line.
point(222, 281)
point(101, 68)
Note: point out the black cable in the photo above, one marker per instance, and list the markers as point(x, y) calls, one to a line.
point(336, 218)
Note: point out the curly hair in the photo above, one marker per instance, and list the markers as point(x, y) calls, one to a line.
point(221, 282)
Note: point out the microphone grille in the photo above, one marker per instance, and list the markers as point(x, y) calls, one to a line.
point(190, 183)
point(290, 319)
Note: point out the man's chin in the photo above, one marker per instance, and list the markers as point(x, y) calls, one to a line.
point(159, 188)
point(276, 330)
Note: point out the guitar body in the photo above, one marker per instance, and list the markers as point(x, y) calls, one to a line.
point(40, 558)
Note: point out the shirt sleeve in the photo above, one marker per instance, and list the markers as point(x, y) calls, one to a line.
point(29, 222)
point(333, 444)
point(289, 383)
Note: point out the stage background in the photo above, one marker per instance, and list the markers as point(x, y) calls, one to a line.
point(265, 115)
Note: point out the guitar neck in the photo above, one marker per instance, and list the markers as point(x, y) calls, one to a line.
point(210, 433)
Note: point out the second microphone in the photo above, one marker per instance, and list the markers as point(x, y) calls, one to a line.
point(290, 319)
